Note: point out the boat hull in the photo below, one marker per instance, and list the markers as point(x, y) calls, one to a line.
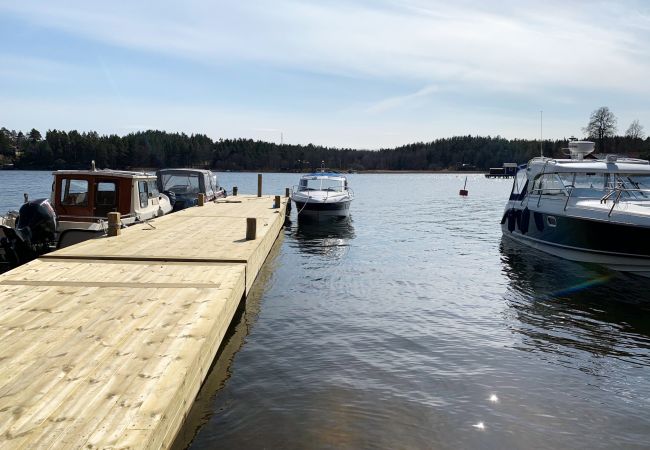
point(323, 209)
point(619, 246)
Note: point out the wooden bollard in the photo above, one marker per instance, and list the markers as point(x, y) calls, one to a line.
point(201, 200)
point(287, 191)
point(234, 190)
point(276, 202)
point(251, 228)
point(259, 184)
point(114, 224)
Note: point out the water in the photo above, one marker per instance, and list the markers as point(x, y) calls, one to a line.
point(413, 326)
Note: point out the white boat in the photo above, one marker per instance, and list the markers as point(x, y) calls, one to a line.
point(82, 199)
point(322, 194)
point(588, 210)
point(77, 211)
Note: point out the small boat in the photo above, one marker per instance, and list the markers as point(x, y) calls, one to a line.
point(322, 194)
point(588, 210)
point(77, 211)
point(183, 186)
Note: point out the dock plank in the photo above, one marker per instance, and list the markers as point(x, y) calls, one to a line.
point(106, 343)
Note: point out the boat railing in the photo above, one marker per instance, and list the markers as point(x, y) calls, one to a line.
point(617, 193)
point(94, 218)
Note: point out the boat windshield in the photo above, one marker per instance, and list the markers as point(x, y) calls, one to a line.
point(586, 184)
point(321, 184)
point(181, 184)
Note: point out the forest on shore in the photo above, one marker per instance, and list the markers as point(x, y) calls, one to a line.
point(156, 149)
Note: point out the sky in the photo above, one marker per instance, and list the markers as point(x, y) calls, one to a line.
point(351, 73)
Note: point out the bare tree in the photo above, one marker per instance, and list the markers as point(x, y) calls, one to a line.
point(635, 130)
point(602, 124)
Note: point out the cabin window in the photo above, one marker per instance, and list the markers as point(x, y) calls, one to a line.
point(143, 193)
point(519, 186)
point(589, 180)
point(153, 188)
point(181, 184)
point(321, 185)
point(332, 185)
point(105, 194)
point(548, 184)
point(74, 192)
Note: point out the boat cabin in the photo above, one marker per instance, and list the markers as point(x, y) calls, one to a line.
point(185, 185)
point(323, 181)
point(83, 196)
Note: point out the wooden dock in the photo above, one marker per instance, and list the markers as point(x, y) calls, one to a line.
point(105, 344)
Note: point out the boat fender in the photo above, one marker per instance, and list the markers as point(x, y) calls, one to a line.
point(524, 221)
point(504, 218)
point(511, 220)
point(539, 220)
point(518, 218)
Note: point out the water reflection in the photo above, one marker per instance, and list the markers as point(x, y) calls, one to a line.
point(203, 408)
point(326, 238)
point(573, 312)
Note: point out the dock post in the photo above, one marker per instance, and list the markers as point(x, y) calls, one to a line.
point(259, 184)
point(201, 201)
point(286, 192)
point(276, 202)
point(234, 191)
point(114, 224)
point(251, 228)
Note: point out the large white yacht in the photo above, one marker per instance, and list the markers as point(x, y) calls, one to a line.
point(589, 210)
point(322, 194)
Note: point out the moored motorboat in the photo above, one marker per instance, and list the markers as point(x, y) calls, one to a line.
point(78, 210)
point(588, 210)
point(322, 194)
point(183, 186)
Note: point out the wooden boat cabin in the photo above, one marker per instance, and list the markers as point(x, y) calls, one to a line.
point(83, 198)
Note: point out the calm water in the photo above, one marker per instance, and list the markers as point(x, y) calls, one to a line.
point(412, 324)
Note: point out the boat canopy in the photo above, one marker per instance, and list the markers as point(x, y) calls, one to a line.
point(187, 181)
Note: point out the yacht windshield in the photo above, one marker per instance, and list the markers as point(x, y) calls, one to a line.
point(181, 184)
point(596, 185)
point(322, 184)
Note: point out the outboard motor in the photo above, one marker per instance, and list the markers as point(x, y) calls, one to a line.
point(34, 233)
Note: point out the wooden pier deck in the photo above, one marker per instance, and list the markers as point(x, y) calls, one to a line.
point(105, 344)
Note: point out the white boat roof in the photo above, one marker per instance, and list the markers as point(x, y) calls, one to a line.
point(181, 170)
point(105, 172)
point(622, 165)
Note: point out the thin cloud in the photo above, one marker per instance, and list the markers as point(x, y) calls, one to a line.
point(399, 101)
point(442, 43)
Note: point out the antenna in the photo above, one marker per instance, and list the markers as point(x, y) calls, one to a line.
point(541, 133)
point(281, 138)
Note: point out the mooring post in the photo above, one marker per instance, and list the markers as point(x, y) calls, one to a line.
point(234, 191)
point(287, 191)
point(201, 201)
point(114, 224)
point(276, 202)
point(251, 228)
point(259, 184)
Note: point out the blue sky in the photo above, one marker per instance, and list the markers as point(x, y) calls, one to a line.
point(355, 73)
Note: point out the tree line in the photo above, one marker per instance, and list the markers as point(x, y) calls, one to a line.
point(157, 149)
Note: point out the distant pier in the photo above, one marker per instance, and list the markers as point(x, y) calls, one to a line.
point(507, 170)
point(105, 344)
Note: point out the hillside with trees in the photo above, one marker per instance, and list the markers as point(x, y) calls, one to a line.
point(156, 149)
